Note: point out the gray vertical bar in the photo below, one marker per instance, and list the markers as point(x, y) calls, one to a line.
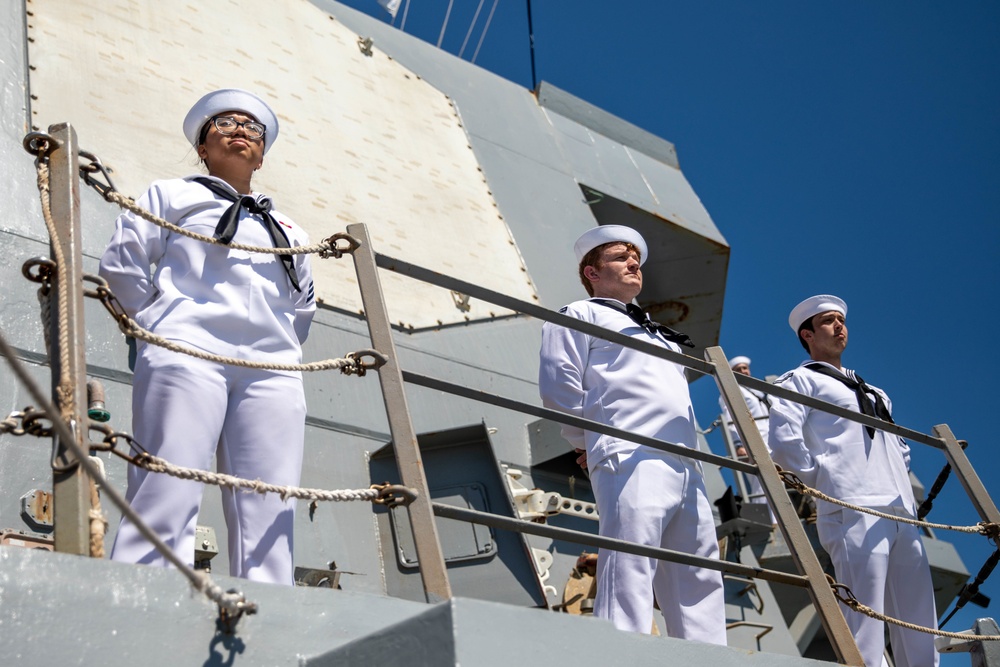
point(404, 440)
point(738, 476)
point(70, 487)
point(805, 559)
point(960, 463)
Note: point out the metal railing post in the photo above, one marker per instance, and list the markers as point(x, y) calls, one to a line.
point(70, 485)
point(801, 550)
point(404, 440)
point(741, 482)
point(962, 467)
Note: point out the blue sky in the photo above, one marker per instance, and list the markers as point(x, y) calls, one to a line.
point(848, 148)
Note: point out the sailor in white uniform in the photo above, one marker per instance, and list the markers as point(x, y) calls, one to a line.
point(643, 495)
point(759, 406)
point(227, 302)
point(882, 561)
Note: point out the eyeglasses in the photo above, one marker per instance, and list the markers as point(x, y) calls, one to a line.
point(228, 125)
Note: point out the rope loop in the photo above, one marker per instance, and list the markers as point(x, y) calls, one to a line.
point(393, 495)
point(360, 366)
point(332, 250)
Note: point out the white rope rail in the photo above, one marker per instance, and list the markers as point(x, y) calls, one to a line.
point(130, 327)
point(156, 464)
point(793, 482)
point(321, 248)
point(846, 596)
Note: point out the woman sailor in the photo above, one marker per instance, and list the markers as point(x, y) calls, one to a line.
point(227, 302)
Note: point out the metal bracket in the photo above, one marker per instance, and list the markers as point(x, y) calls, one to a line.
point(535, 504)
point(543, 561)
point(36, 510)
point(461, 301)
point(206, 547)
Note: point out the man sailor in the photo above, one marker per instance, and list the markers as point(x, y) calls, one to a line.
point(643, 495)
point(759, 406)
point(882, 561)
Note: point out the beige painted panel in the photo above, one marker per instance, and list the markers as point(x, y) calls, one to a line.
point(362, 139)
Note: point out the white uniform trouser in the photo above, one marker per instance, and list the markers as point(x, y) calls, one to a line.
point(654, 498)
point(883, 562)
point(186, 410)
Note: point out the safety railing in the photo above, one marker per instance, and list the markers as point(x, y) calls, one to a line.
point(71, 483)
point(811, 577)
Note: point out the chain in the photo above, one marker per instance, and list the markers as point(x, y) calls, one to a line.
point(27, 422)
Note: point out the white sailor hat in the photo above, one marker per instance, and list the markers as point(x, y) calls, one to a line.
point(736, 361)
point(609, 234)
point(814, 305)
point(230, 99)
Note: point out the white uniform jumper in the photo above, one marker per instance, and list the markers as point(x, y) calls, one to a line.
point(186, 410)
point(758, 405)
point(643, 495)
point(883, 562)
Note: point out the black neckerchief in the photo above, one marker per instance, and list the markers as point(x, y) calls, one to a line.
point(861, 390)
point(762, 398)
point(642, 319)
point(230, 220)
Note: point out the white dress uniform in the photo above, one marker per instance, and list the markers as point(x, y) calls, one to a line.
point(882, 561)
point(758, 405)
point(643, 495)
point(226, 302)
